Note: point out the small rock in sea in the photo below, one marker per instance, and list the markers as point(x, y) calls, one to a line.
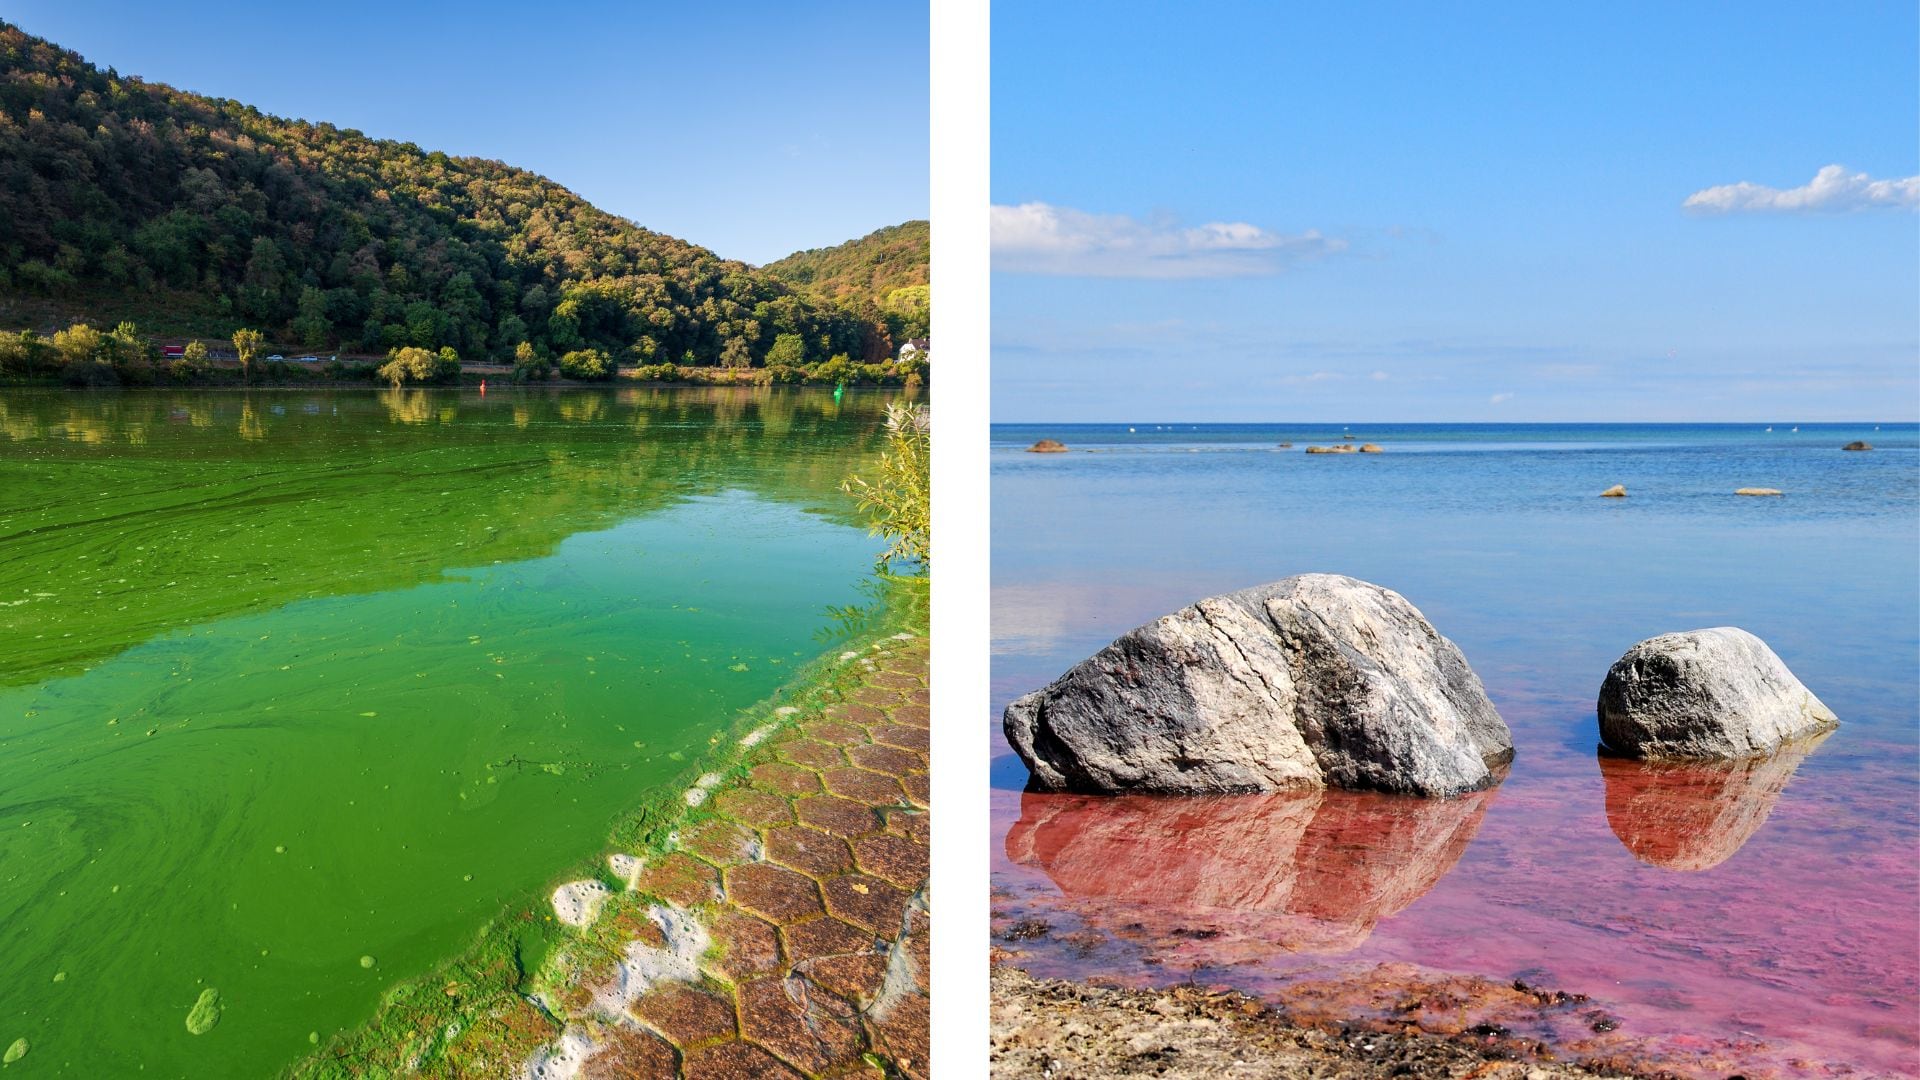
point(205, 1012)
point(1341, 449)
point(1047, 446)
point(1286, 446)
point(1714, 693)
point(1617, 491)
point(15, 1052)
point(1759, 491)
point(1370, 448)
point(366, 961)
point(1317, 680)
point(1856, 445)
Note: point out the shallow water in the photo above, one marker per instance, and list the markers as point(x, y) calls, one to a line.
point(298, 689)
point(1771, 912)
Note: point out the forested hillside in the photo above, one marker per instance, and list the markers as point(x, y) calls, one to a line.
point(886, 269)
point(114, 190)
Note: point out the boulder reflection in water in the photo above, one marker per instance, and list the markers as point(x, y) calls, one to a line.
point(1236, 876)
point(1693, 815)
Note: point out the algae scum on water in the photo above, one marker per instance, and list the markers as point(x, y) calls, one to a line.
point(299, 690)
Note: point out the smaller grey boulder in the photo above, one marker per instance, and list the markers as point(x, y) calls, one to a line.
point(1856, 445)
point(1617, 491)
point(1716, 693)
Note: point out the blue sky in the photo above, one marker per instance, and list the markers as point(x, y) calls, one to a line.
point(1244, 211)
point(754, 128)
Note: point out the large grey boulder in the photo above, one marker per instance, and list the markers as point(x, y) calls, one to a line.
point(1318, 680)
point(1715, 693)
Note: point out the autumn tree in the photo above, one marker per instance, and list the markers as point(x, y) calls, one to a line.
point(247, 345)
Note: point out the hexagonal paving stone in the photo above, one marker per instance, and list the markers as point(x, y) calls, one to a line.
point(857, 977)
point(775, 892)
point(630, 1054)
point(919, 789)
point(875, 696)
point(743, 946)
point(720, 842)
point(817, 939)
point(915, 825)
point(835, 815)
point(827, 731)
point(860, 785)
point(680, 879)
point(687, 1017)
point(896, 680)
point(736, 1061)
point(809, 851)
point(799, 1022)
point(910, 715)
point(754, 807)
point(906, 738)
point(895, 858)
point(848, 712)
point(867, 902)
point(919, 946)
point(885, 759)
point(900, 1035)
point(785, 779)
point(814, 755)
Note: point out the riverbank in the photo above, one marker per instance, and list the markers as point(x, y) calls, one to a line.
point(1066, 1030)
point(766, 916)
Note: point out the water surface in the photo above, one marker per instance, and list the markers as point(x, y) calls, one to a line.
point(298, 689)
point(1772, 909)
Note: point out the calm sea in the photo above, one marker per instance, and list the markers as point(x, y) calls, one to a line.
point(1772, 909)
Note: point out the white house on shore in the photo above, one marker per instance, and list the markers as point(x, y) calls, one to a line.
point(915, 349)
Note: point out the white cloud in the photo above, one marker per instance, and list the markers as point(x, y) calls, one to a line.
point(1832, 188)
point(1038, 238)
point(1379, 376)
point(1498, 398)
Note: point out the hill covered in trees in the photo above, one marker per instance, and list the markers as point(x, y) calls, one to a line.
point(886, 269)
point(120, 196)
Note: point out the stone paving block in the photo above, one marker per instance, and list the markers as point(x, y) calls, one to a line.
point(773, 892)
point(736, 1061)
point(857, 977)
point(687, 1017)
point(758, 808)
point(863, 786)
point(919, 789)
point(906, 738)
point(885, 759)
point(743, 946)
point(915, 825)
point(867, 902)
point(900, 1034)
point(784, 779)
point(835, 734)
point(919, 946)
point(818, 939)
point(800, 1023)
point(718, 841)
point(841, 817)
point(680, 879)
point(894, 858)
point(889, 679)
point(631, 1054)
point(848, 712)
point(813, 755)
point(875, 696)
point(911, 715)
point(809, 851)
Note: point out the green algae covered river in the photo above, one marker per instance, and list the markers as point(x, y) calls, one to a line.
point(298, 689)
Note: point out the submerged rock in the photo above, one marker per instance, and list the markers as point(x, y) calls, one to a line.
point(1617, 491)
point(1370, 448)
point(1340, 449)
point(205, 1013)
point(1759, 491)
point(1047, 446)
point(1857, 445)
point(15, 1051)
point(1693, 815)
point(1313, 681)
point(1715, 693)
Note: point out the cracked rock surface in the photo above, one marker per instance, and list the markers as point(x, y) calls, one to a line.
point(1718, 693)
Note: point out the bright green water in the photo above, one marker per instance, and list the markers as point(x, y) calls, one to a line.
point(291, 679)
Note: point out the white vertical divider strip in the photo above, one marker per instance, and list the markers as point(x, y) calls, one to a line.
point(959, 78)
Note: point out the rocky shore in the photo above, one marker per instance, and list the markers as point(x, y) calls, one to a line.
point(1074, 1031)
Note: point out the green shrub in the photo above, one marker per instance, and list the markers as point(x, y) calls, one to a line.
point(898, 501)
point(413, 364)
point(586, 364)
